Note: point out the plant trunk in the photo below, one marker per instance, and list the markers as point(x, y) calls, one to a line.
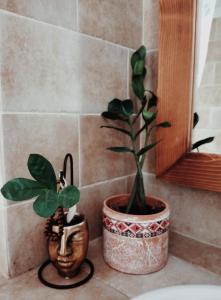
point(137, 201)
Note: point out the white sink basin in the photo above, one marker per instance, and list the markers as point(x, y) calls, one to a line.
point(184, 292)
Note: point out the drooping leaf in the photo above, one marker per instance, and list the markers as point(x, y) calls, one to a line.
point(138, 67)
point(120, 149)
point(164, 124)
point(41, 170)
point(202, 142)
point(149, 116)
point(138, 87)
point(147, 148)
point(46, 204)
point(195, 119)
point(127, 107)
point(117, 128)
point(20, 189)
point(69, 196)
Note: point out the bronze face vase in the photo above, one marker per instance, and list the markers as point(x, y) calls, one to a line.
point(68, 251)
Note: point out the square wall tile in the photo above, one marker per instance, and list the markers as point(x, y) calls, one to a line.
point(118, 21)
point(151, 23)
point(91, 202)
point(97, 163)
point(62, 13)
point(49, 69)
point(50, 135)
point(27, 246)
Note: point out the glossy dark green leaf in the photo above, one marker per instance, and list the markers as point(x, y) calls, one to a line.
point(117, 128)
point(134, 58)
point(115, 106)
point(113, 116)
point(138, 87)
point(41, 170)
point(127, 107)
point(20, 189)
point(195, 119)
point(202, 142)
point(149, 116)
point(109, 115)
point(164, 124)
point(139, 67)
point(152, 102)
point(147, 148)
point(69, 196)
point(142, 52)
point(120, 149)
point(46, 204)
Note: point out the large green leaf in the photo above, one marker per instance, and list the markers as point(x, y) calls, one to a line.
point(120, 149)
point(152, 102)
point(147, 148)
point(115, 106)
point(149, 116)
point(109, 115)
point(69, 196)
point(127, 107)
point(142, 52)
point(138, 87)
point(20, 189)
point(139, 67)
point(46, 204)
point(134, 58)
point(42, 170)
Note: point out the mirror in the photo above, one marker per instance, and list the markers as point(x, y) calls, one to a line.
point(175, 161)
point(206, 134)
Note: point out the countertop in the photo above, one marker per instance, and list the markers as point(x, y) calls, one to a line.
point(107, 283)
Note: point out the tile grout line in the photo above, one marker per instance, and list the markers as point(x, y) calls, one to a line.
point(80, 187)
point(128, 71)
point(79, 152)
point(6, 12)
point(142, 22)
point(77, 15)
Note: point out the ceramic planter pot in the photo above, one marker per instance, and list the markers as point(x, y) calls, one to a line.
point(68, 252)
point(135, 244)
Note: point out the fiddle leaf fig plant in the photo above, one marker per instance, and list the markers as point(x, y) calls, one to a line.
point(49, 199)
point(124, 113)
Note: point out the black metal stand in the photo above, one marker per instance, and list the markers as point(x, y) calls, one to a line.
point(63, 286)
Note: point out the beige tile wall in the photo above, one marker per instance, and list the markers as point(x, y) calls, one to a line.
point(59, 69)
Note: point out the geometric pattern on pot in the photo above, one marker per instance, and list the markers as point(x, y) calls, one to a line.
point(136, 230)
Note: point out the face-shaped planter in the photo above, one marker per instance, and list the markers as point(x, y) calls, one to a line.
point(68, 252)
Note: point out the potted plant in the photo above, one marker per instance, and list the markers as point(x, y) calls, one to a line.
point(135, 234)
point(66, 230)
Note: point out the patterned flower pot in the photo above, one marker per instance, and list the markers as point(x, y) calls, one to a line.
point(135, 244)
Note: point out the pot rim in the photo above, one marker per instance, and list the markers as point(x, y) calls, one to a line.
point(164, 213)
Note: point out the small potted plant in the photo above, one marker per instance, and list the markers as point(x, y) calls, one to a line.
point(66, 230)
point(135, 227)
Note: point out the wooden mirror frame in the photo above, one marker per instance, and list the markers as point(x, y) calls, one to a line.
point(175, 93)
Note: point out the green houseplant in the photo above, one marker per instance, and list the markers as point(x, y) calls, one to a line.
point(131, 221)
point(57, 202)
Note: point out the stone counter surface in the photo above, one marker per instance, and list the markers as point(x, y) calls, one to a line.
point(107, 283)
